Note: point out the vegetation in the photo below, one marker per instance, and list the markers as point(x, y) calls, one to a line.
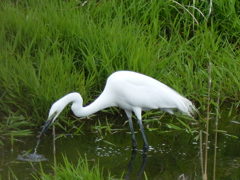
point(70, 171)
point(51, 48)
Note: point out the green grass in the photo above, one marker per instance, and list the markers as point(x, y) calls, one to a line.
point(80, 170)
point(50, 48)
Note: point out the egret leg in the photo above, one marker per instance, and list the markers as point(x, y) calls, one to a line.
point(134, 142)
point(143, 134)
point(133, 134)
point(138, 113)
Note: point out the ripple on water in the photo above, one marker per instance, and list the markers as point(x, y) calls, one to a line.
point(32, 157)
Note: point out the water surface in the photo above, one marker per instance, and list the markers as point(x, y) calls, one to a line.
point(170, 156)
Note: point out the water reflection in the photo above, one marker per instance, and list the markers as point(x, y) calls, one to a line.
point(170, 156)
point(131, 163)
point(166, 158)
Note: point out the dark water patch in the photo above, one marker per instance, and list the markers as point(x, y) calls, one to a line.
point(166, 159)
point(170, 155)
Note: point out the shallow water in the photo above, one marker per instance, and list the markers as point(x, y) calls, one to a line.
point(170, 155)
point(31, 157)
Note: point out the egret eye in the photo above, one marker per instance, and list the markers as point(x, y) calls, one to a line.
point(52, 116)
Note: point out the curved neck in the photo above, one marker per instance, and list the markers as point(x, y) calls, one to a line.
point(100, 103)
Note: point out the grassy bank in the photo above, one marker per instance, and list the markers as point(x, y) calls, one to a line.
point(50, 48)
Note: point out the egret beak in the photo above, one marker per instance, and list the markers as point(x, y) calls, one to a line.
point(47, 124)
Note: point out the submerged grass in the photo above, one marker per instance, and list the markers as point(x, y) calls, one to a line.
point(50, 48)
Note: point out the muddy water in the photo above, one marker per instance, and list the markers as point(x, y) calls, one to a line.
point(171, 155)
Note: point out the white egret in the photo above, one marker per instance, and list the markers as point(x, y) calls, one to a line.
point(131, 91)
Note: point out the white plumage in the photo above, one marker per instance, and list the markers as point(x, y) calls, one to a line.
point(131, 91)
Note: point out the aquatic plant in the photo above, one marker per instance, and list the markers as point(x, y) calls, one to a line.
point(81, 170)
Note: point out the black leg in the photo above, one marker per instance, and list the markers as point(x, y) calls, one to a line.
point(133, 134)
point(134, 142)
point(138, 113)
point(145, 147)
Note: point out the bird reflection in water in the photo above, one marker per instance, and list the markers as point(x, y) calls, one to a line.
point(131, 163)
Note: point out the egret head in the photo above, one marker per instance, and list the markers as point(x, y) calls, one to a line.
point(59, 105)
point(55, 110)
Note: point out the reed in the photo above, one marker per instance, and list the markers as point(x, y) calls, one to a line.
point(205, 174)
point(216, 139)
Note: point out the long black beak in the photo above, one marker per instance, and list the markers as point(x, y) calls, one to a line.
point(47, 125)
